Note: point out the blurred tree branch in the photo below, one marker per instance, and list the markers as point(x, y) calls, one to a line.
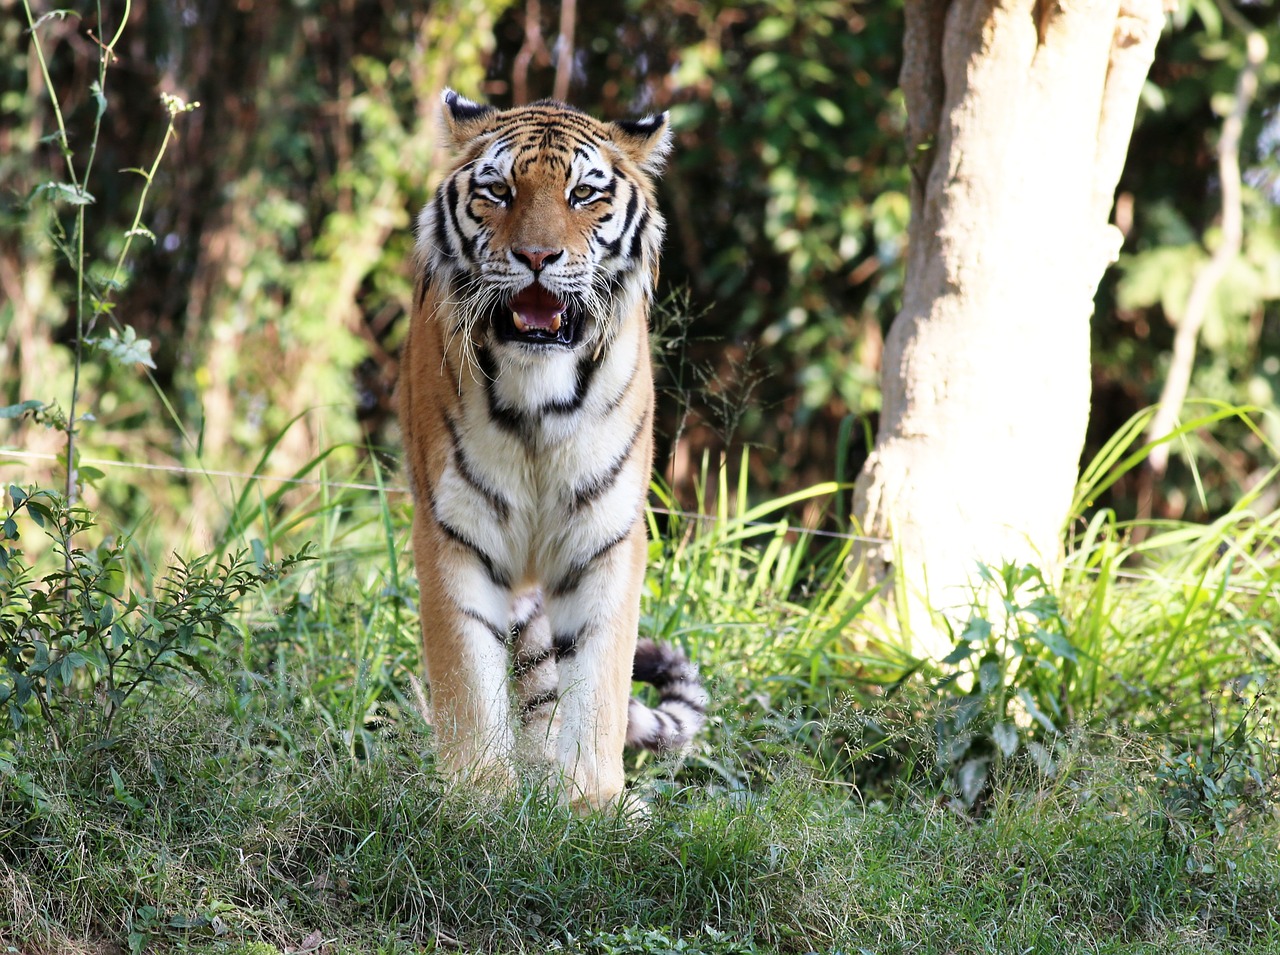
point(534, 47)
point(564, 53)
point(1178, 379)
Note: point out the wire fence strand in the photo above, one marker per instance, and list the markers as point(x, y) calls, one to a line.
point(20, 454)
point(389, 489)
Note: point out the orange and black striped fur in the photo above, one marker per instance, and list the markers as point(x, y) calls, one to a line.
point(526, 401)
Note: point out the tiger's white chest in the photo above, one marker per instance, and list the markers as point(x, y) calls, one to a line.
point(540, 470)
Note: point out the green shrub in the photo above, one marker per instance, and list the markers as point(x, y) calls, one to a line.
point(78, 644)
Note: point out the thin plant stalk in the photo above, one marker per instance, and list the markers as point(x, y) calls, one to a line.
point(79, 184)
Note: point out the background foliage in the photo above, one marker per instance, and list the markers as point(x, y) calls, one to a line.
point(277, 278)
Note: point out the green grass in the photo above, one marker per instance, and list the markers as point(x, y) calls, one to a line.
point(292, 792)
point(201, 823)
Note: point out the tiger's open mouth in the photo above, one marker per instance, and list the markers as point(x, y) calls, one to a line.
point(536, 317)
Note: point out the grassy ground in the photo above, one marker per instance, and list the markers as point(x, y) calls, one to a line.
point(199, 834)
point(1115, 792)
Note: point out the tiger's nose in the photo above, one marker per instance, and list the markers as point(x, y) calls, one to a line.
point(537, 259)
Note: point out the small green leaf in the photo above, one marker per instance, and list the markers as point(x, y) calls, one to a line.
point(989, 676)
point(54, 15)
point(1056, 643)
point(1035, 712)
point(829, 111)
point(187, 922)
point(126, 347)
point(194, 662)
point(977, 630)
point(18, 410)
point(39, 512)
point(771, 30)
point(68, 193)
point(1006, 737)
point(99, 97)
point(972, 778)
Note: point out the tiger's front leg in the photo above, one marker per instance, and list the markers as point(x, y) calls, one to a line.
point(464, 634)
point(594, 612)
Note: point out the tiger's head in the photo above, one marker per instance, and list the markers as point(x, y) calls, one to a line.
point(545, 232)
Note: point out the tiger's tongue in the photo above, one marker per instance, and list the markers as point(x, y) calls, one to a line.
point(535, 307)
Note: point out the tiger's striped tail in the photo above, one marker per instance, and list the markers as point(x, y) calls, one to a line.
point(682, 700)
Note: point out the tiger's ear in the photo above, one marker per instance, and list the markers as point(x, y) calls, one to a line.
point(645, 142)
point(464, 120)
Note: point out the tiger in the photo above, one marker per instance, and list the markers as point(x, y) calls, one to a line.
point(526, 402)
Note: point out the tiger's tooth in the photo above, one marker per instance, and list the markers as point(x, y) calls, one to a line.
point(520, 325)
point(555, 321)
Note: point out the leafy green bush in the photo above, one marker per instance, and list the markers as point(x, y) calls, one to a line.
point(1008, 686)
point(77, 644)
point(1212, 788)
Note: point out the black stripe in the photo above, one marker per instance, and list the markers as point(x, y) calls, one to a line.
point(573, 577)
point(534, 703)
point(443, 245)
point(585, 373)
point(568, 118)
point(637, 238)
point(587, 492)
point(451, 192)
point(519, 423)
point(644, 127)
point(420, 293)
point(500, 146)
point(495, 500)
point(615, 245)
point(566, 644)
point(528, 662)
point(495, 574)
point(520, 626)
point(673, 725)
point(498, 633)
point(675, 696)
point(508, 419)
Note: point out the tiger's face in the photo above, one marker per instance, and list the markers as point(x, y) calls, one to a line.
point(546, 229)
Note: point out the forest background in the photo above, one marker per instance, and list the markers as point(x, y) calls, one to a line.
point(275, 275)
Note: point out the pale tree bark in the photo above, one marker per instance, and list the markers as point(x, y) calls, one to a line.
point(1019, 118)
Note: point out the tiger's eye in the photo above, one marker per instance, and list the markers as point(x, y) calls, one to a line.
point(582, 192)
point(499, 190)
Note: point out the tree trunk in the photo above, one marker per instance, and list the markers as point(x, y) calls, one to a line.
point(1019, 116)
